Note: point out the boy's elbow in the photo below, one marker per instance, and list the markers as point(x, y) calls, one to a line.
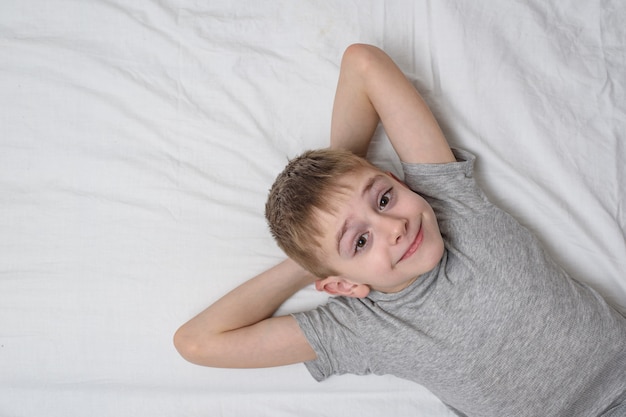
point(202, 348)
point(183, 344)
point(188, 346)
point(361, 56)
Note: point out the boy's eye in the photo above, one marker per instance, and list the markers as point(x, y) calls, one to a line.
point(384, 200)
point(361, 242)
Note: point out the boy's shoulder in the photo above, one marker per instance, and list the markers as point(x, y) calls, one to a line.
point(464, 164)
point(451, 188)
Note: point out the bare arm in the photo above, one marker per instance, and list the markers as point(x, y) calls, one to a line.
point(237, 331)
point(372, 88)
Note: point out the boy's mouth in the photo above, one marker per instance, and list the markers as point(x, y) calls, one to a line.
point(415, 244)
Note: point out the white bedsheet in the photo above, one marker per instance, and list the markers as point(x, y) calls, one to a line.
point(138, 139)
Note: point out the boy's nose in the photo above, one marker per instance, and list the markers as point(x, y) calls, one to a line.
point(396, 228)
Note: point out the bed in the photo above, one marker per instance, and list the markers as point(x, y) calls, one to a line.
point(138, 141)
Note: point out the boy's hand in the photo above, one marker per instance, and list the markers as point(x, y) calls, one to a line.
point(371, 88)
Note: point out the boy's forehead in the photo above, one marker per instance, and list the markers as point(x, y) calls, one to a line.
point(356, 180)
point(351, 186)
point(344, 198)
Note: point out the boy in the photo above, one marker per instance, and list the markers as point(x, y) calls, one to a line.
point(440, 287)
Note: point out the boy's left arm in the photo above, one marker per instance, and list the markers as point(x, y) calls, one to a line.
point(372, 88)
point(238, 330)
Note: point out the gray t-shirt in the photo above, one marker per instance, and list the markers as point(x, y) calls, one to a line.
point(496, 329)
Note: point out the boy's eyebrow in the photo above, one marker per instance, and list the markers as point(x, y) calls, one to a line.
point(368, 186)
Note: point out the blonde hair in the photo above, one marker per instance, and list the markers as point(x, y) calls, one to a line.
point(300, 191)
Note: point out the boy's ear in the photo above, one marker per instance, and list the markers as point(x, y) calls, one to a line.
point(339, 286)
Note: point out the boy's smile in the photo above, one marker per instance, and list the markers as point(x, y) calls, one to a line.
point(380, 235)
point(415, 245)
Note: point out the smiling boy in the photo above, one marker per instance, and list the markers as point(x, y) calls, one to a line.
point(381, 235)
point(441, 287)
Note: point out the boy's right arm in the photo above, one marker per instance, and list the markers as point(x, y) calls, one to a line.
point(238, 330)
point(372, 88)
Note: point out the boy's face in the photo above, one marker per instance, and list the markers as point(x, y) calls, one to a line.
point(383, 236)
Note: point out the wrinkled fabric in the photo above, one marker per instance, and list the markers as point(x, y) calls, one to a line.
point(138, 141)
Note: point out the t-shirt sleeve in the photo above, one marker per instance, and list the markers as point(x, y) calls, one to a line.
point(449, 188)
point(331, 330)
point(338, 331)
